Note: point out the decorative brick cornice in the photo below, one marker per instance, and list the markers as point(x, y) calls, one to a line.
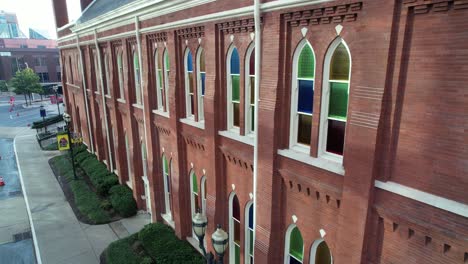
point(238, 26)
point(116, 43)
point(193, 141)
point(162, 130)
point(324, 15)
point(235, 159)
point(157, 37)
point(312, 188)
point(132, 40)
point(426, 6)
point(192, 32)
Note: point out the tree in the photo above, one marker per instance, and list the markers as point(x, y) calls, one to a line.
point(26, 82)
point(3, 86)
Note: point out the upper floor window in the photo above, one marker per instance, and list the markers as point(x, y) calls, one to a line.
point(250, 90)
point(233, 89)
point(336, 81)
point(294, 246)
point(158, 65)
point(201, 73)
point(106, 69)
point(167, 70)
point(136, 69)
point(70, 65)
point(120, 74)
point(96, 73)
point(302, 96)
point(189, 92)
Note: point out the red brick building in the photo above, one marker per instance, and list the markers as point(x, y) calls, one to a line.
point(361, 116)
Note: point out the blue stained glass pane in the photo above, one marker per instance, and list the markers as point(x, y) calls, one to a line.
point(189, 62)
point(305, 100)
point(251, 216)
point(235, 68)
point(203, 83)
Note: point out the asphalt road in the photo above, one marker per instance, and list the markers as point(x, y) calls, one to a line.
point(8, 170)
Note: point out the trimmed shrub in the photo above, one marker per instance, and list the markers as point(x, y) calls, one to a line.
point(120, 252)
point(158, 238)
point(97, 172)
point(121, 198)
point(88, 203)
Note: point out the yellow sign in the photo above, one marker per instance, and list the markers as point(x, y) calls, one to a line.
point(63, 142)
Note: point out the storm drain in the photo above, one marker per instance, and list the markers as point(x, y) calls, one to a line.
point(22, 236)
point(15, 193)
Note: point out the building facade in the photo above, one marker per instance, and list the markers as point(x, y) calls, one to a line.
point(354, 151)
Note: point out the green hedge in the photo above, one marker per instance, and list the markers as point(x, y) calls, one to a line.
point(121, 198)
point(97, 172)
point(162, 245)
point(120, 252)
point(46, 122)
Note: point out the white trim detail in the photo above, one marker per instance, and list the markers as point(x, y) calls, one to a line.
point(321, 162)
point(313, 250)
point(191, 122)
point(249, 140)
point(424, 197)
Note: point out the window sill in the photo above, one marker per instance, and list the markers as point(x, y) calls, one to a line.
point(249, 140)
point(138, 106)
point(145, 179)
point(129, 184)
point(121, 100)
point(161, 113)
point(322, 162)
point(116, 172)
point(168, 219)
point(191, 122)
point(97, 93)
point(108, 96)
point(194, 242)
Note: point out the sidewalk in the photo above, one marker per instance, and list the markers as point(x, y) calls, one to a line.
point(61, 238)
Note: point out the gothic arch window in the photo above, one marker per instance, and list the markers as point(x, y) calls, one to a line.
point(158, 65)
point(233, 89)
point(189, 89)
point(249, 234)
point(294, 246)
point(167, 70)
point(106, 69)
point(250, 90)
point(167, 185)
point(120, 74)
point(234, 229)
point(320, 253)
point(203, 194)
point(201, 75)
point(137, 76)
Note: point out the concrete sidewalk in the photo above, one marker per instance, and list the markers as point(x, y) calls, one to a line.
point(61, 238)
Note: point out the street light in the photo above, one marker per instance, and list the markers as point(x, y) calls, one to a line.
point(67, 119)
point(219, 238)
point(55, 87)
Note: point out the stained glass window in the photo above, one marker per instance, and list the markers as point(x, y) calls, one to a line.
point(235, 88)
point(251, 87)
point(120, 73)
point(201, 89)
point(166, 80)
point(323, 254)
point(250, 235)
point(159, 80)
point(136, 67)
point(235, 224)
point(340, 64)
point(296, 246)
point(189, 84)
point(167, 181)
point(303, 96)
point(194, 193)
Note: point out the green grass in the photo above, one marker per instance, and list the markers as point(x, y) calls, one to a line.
point(87, 202)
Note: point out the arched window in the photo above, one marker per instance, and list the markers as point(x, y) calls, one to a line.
point(106, 69)
point(167, 185)
point(294, 246)
point(233, 91)
point(249, 234)
point(189, 92)
point(71, 70)
point(167, 70)
point(120, 73)
point(337, 71)
point(78, 62)
point(97, 72)
point(201, 82)
point(159, 80)
point(203, 194)
point(302, 96)
point(194, 195)
point(129, 160)
point(250, 90)
point(136, 69)
point(320, 253)
point(234, 229)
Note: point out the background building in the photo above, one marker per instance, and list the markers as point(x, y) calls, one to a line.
point(362, 117)
point(18, 52)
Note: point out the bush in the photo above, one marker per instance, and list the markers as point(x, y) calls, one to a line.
point(158, 238)
point(120, 252)
point(121, 198)
point(88, 203)
point(97, 172)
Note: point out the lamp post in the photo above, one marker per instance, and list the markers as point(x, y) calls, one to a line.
point(67, 119)
point(219, 238)
point(55, 87)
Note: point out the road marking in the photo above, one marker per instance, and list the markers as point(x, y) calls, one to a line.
point(26, 200)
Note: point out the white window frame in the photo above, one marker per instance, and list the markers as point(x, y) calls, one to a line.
point(230, 110)
point(136, 73)
point(323, 132)
point(167, 191)
point(247, 234)
point(313, 251)
point(120, 74)
point(203, 194)
point(200, 96)
point(248, 106)
point(232, 252)
point(106, 69)
point(159, 87)
point(166, 79)
point(129, 160)
point(188, 102)
point(192, 200)
point(287, 243)
point(294, 115)
point(96, 71)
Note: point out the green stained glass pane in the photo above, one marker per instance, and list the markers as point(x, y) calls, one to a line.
point(339, 65)
point(202, 61)
point(306, 64)
point(136, 63)
point(251, 245)
point(235, 109)
point(235, 88)
point(165, 164)
point(252, 118)
point(252, 90)
point(160, 77)
point(194, 183)
point(166, 60)
point(237, 254)
point(338, 100)
point(236, 232)
point(304, 128)
point(190, 82)
point(296, 244)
